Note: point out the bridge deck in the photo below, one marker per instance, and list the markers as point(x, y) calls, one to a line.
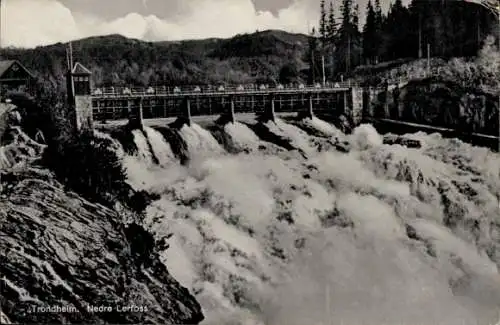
point(202, 120)
point(229, 93)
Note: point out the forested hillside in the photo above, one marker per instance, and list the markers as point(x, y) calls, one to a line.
point(117, 60)
point(438, 28)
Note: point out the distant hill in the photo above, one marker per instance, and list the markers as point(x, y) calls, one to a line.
point(115, 59)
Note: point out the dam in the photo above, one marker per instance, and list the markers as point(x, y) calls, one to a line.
point(475, 118)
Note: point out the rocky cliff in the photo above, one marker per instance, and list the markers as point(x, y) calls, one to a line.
point(64, 259)
point(437, 102)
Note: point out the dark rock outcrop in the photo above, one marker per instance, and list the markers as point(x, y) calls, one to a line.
point(401, 140)
point(19, 149)
point(444, 103)
point(58, 250)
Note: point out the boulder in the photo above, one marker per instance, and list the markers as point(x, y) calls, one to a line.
point(401, 140)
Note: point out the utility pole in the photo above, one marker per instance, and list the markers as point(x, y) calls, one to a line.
point(478, 16)
point(428, 59)
point(323, 69)
point(70, 48)
point(419, 35)
point(68, 61)
point(313, 74)
point(348, 61)
point(313, 56)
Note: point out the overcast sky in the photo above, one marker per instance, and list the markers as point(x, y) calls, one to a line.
point(29, 23)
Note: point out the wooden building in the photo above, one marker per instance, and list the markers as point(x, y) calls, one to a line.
point(81, 79)
point(14, 77)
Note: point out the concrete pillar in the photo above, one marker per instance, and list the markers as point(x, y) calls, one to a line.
point(129, 109)
point(367, 103)
point(83, 111)
point(269, 111)
point(135, 117)
point(187, 111)
point(353, 105)
point(141, 108)
point(231, 110)
point(346, 102)
point(356, 105)
point(398, 102)
point(273, 113)
point(482, 116)
point(374, 93)
point(387, 112)
point(310, 113)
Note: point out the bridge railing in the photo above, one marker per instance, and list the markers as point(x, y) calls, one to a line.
point(185, 90)
point(194, 89)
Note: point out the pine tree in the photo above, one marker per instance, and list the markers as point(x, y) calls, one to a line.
point(378, 33)
point(378, 14)
point(345, 36)
point(322, 21)
point(369, 46)
point(332, 24)
point(355, 17)
point(397, 33)
point(346, 10)
point(332, 36)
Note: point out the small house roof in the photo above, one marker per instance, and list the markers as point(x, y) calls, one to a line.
point(7, 64)
point(80, 69)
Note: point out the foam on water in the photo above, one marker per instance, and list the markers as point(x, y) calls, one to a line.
point(381, 235)
point(242, 136)
point(323, 127)
point(200, 141)
point(142, 173)
point(299, 139)
point(161, 148)
point(364, 137)
point(143, 151)
point(116, 147)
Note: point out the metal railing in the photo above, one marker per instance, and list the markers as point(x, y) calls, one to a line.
point(198, 90)
point(119, 91)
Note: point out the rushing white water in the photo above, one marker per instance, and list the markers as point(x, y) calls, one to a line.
point(242, 136)
point(322, 126)
point(381, 235)
point(298, 138)
point(364, 137)
point(161, 148)
point(143, 152)
point(200, 142)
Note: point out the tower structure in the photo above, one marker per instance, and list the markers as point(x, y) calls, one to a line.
point(80, 99)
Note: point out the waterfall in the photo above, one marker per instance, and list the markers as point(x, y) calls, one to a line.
point(161, 148)
point(143, 151)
